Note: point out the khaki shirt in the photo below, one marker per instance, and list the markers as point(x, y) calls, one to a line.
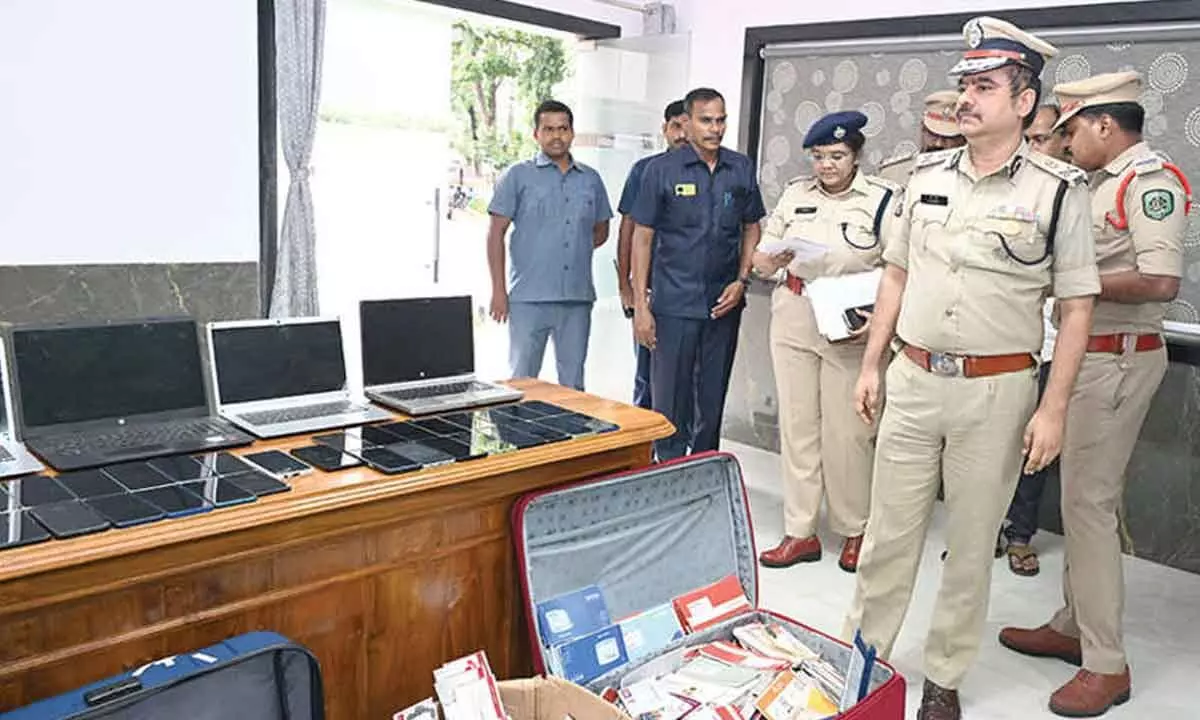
point(1153, 244)
point(898, 169)
point(966, 293)
point(844, 223)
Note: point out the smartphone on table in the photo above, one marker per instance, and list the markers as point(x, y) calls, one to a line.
point(277, 464)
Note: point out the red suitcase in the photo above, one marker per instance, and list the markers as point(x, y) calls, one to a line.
point(650, 535)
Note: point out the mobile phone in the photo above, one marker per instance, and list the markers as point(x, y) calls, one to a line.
point(576, 425)
point(349, 442)
point(326, 458)
point(89, 483)
point(137, 475)
point(221, 492)
point(388, 462)
point(178, 467)
point(17, 528)
point(69, 519)
point(277, 464)
point(437, 426)
point(853, 320)
point(125, 510)
point(34, 490)
point(223, 464)
point(175, 500)
point(259, 483)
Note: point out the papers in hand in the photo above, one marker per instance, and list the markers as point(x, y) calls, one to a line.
point(803, 250)
point(831, 297)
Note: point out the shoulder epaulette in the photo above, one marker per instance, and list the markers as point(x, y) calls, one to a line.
point(929, 159)
point(1057, 168)
point(1148, 164)
point(882, 182)
point(798, 179)
point(892, 161)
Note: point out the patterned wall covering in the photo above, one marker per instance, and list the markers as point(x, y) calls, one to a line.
point(889, 88)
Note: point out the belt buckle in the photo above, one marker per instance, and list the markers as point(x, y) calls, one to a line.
point(1128, 343)
point(943, 364)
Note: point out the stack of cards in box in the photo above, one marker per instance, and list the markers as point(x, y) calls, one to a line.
point(767, 674)
point(466, 690)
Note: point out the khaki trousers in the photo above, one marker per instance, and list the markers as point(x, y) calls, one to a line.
point(1108, 405)
point(974, 428)
point(826, 449)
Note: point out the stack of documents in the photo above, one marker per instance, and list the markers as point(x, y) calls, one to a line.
point(466, 689)
point(708, 606)
point(831, 297)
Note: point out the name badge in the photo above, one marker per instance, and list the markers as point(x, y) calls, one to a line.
point(685, 190)
point(806, 210)
point(935, 200)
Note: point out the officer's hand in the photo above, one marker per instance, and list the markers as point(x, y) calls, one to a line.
point(1043, 440)
point(770, 264)
point(626, 291)
point(500, 306)
point(866, 327)
point(643, 328)
point(730, 297)
point(866, 395)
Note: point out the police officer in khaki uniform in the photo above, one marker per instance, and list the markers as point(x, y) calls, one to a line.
point(826, 451)
point(991, 230)
point(1139, 207)
point(939, 131)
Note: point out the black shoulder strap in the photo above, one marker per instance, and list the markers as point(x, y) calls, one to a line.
point(1058, 201)
point(887, 195)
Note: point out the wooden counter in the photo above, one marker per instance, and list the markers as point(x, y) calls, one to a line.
point(383, 577)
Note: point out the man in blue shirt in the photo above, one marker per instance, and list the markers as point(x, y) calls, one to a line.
point(674, 132)
point(700, 205)
point(559, 211)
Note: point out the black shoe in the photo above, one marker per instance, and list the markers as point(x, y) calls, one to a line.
point(938, 703)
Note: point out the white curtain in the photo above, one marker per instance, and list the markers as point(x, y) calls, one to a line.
point(299, 42)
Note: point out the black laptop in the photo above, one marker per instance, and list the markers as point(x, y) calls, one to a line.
point(90, 395)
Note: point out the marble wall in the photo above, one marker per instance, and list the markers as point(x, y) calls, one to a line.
point(206, 291)
point(1162, 501)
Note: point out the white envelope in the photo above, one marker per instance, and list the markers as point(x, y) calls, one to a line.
point(804, 250)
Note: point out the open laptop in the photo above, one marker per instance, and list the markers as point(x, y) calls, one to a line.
point(284, 377)
point(418, 356)
point(89, 395)
point(14, 458)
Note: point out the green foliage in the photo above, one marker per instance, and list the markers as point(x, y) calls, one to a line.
point(486, 61)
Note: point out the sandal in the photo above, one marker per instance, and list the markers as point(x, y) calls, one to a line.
point(1023, 560)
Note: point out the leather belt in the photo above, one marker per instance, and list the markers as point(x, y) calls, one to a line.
point(795, 284)
point(948, 365)
point(1118, 343)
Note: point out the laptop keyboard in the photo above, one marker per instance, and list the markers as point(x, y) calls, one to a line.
point(306, 412)
point(428, 391)
point(111, 443)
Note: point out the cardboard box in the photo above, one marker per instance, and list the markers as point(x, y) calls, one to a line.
point(554, 699)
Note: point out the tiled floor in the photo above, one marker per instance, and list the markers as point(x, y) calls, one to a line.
point(1162, 618)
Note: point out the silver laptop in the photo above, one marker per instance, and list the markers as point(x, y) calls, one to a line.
point(284, 377)
point(14, 458)
point(418, 356)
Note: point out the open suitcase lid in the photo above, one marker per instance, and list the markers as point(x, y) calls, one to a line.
point(645, 537)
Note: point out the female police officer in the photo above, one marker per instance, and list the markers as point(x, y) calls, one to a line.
point(826, 449)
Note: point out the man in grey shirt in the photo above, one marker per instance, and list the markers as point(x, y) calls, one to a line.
point(559, 211)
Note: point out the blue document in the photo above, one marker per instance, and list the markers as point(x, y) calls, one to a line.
point(572, 615)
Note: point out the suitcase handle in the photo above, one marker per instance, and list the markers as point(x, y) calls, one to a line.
point(108, 693)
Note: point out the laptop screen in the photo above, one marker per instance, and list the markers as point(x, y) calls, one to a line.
point(261, 362)
point(416, 339)
point(76, 374)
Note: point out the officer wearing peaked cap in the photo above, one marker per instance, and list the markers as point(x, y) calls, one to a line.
point(1140, 203)
point(827, 453)
point(990, 230)
point(939, 131)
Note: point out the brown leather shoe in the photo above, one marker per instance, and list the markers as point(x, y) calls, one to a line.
point(791, 551)
point(1090, 694)
point(1044, 641)
point(938, 703)
point(850, 549)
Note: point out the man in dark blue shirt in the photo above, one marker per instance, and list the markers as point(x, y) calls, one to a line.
point(674, 132)
point(700, 205)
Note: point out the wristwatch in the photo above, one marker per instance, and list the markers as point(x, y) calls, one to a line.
point(745, 281)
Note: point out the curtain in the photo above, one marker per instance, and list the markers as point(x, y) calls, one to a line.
point(299, 41)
